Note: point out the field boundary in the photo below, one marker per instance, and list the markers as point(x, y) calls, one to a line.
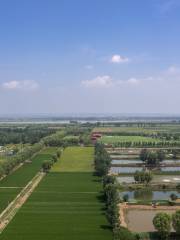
point(7, 215)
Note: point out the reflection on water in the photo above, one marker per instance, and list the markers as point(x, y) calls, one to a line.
point(148, 194)
point(116, 170)
point(170, 169)
point(124, 161)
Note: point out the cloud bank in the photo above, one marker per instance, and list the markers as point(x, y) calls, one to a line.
point(27, 85)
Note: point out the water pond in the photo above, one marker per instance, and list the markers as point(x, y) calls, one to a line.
point(124, 161)
point(117, 170)
point(148, 195)
point(170, 169)
point(156, 179)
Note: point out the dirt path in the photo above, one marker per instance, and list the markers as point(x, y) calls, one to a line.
point(7, 215)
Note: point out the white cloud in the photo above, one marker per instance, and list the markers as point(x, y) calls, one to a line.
point(100, 81)
point(119, 59)
point(107, 81)
point(28, 85)
point(173, 70)
point(133, 81)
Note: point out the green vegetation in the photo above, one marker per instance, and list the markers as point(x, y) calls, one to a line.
point(162, 223)
point(75, 159)
point(152, 157)
point(134, 139)
point(65, 205)
point(102, 160)
point(29, 134)
point(176, 221)
point(138, 141)
point(11, 185)
point(143, 177)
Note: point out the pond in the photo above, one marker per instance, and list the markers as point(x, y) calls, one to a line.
point(117, 170)
point(144, 217)
point(171, 161)
point(124, 156)
point(170, 169)
point(156, 179)
point(148, 195)
point(125, 161)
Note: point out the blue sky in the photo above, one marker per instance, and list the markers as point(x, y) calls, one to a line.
point(89, 56)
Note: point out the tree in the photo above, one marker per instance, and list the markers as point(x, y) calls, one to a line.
point(46, 165)
point(160, 155)
point(173, 196)
point(152, 158)
point(126, 198)
point(143, 154)
point(176, 221)
point(123, 234)
point(143, 177)
point(54, 158)
point(162, 223)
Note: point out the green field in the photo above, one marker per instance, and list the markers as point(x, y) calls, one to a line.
point(146, 129)
point(118, 139)
point(65, 206)
point(75, 159)
point(13, 183)
point(50, 150)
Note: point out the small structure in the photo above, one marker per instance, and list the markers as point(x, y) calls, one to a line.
point(95, 136)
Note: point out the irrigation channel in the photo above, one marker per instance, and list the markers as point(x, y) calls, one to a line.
point(7, 215)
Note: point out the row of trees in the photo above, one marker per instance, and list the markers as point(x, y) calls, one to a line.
point(26, 153)
point(29, 134)
point(62, 139)
point(147, 144)
point(147, 133)
point(111, 194)
point(47, 164)
point(102, 160)
point(9, 164)
point(163, 221)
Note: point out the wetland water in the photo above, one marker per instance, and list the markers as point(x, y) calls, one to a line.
point(141, 220)
point(149, 195)
point(124, 161)
point(117, 170)
point(156, 179)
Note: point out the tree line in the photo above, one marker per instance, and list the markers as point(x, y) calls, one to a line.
point(146, 144)
point(110, 194)
point(29, 134)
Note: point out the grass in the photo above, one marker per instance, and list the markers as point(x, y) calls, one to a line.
point(66, 205)
point(146, 129)
point(75, 159)
point(11, 185)
point(50, 150)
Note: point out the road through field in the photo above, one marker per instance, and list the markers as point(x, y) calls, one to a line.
point(7, 215)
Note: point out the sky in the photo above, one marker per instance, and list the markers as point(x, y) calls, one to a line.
point(89, 56)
